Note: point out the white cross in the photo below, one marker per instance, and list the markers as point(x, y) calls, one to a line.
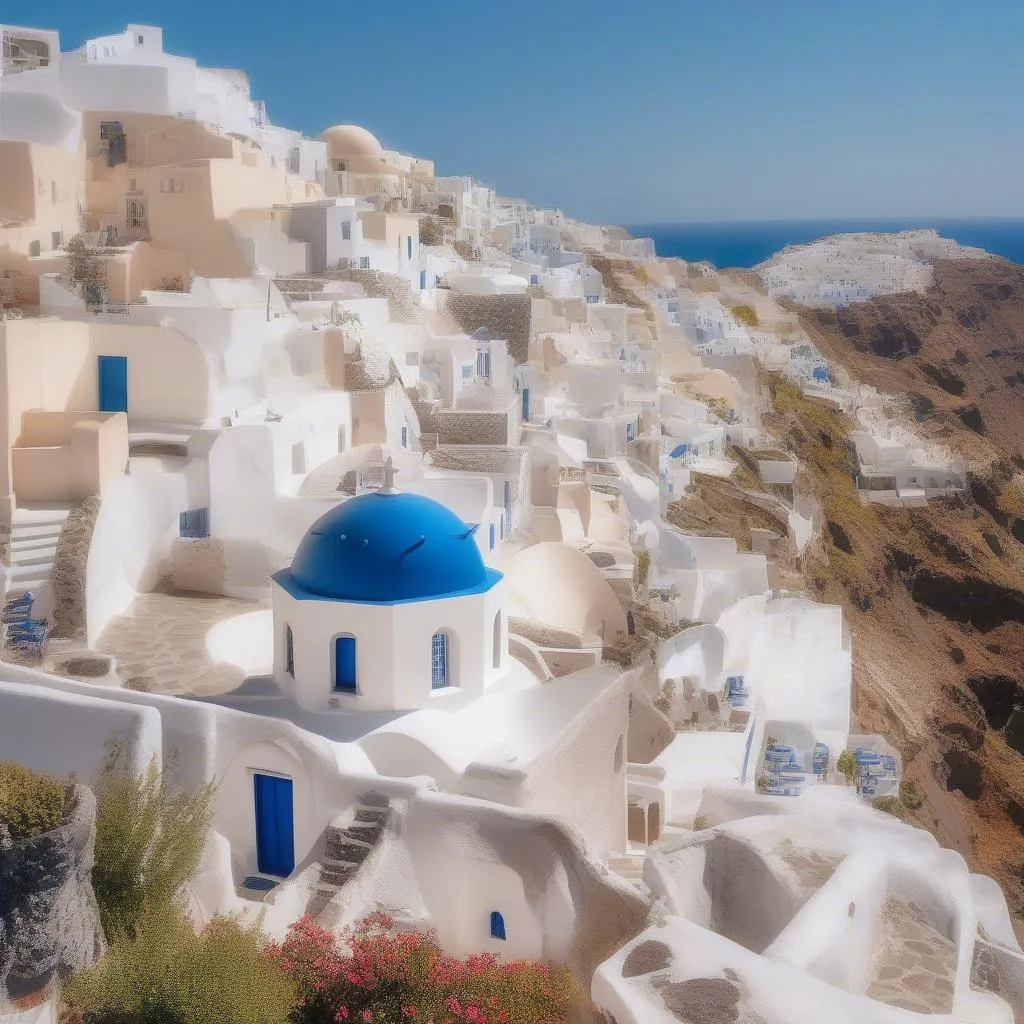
point(389, 476)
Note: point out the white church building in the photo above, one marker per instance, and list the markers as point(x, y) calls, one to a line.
point(388, 606)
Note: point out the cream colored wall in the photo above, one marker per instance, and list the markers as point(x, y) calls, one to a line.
point(389, 227)
point(40, 187)
point(64, 457)
point(53, 365)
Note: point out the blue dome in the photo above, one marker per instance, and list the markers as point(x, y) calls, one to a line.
point(388, 547)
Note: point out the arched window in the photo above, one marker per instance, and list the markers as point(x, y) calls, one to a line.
point(496, 652)
point(345, 664)
point(289, 651)
point(497, 926)
point(439, 661)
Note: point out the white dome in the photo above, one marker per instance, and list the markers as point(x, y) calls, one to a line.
point(349, 140)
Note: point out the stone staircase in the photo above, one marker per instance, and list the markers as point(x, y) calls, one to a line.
point(346, 848)
point(630, 867)
point(34, 536)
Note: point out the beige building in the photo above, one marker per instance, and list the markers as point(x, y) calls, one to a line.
point(40, 205)
point(178, 185)
point(57, 377)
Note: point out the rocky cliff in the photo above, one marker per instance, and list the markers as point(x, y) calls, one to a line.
point(935, 595)
point(49, 921)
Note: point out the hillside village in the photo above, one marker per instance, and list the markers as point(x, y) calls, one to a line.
point(459, 544)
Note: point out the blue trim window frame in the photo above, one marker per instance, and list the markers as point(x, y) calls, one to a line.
point(439, 661)
point(497, 926)
point(364, 262)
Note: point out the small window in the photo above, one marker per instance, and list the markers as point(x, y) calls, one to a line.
point(289, 651)
point(467, 372)
point(364, 262)
point(139, 40)
point(34, 248)
point(439, 661)
point(496, 642)
point(405, 437)
point(346, 230)
point(618, 756)
point(497, 926)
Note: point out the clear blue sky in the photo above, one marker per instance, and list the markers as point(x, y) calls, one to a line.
point(640, 111)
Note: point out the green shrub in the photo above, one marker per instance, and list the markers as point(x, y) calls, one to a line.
point(167, 974)
point(745, 315)
point(700, 823)
point(846, 765)
point(30, 804)
point(909, 795)
point(888, 804)
point(149, 840)
point(642, 567)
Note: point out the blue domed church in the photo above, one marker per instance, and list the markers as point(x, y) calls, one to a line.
point(388, 605)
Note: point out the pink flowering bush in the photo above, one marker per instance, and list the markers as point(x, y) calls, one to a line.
point(379, 976)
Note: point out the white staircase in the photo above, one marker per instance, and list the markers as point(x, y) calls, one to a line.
point(34, 535)
point(630, 867)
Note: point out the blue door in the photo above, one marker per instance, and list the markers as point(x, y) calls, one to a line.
point(345, 663)
point(526, 404)
point(275, 838)
point(113, 377)
point(497, 925)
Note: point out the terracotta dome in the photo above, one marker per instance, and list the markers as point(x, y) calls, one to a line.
point(349, 140)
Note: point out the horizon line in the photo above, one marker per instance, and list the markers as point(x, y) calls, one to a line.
point(859, 219)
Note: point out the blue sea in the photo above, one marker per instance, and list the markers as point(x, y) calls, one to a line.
point(744, 244)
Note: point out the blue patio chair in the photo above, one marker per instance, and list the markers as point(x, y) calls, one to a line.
point(31, 628)
point(19, 608)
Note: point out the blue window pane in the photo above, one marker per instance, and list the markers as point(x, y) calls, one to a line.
point(345, 663)
point(439, 661)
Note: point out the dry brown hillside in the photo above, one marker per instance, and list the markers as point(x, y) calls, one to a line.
point(935, 595)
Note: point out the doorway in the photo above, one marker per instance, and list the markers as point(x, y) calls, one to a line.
point(275, 835)
point(113, 383)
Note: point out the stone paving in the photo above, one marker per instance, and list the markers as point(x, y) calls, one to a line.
point(915, 964)
point(160, 642)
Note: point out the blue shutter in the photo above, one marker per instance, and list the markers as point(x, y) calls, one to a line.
point(497, 925)
point(345, 663)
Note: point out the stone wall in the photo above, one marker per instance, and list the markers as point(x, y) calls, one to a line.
point(505, 316)
point(403, 307)
point(457, 427)
point(69, 565)
point(49, 920)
